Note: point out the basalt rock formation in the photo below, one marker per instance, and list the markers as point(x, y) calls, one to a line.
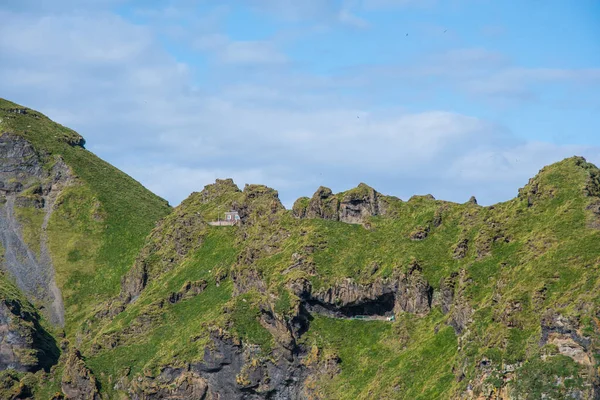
point(406, 292)
point(353, 206)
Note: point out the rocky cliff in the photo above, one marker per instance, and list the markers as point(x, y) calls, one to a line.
point(25, 346)
point(27, 180)
point(353, 206)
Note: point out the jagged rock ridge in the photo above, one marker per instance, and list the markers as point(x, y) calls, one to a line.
point(353, 206)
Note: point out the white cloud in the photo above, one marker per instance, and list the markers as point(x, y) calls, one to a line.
point(86, 39)
point(478, 72)
point(138, 107)
point(516, 82)
point(239, 52)
point(346, 17)
point(320, 11)
point(72, 6)
point(503, 167)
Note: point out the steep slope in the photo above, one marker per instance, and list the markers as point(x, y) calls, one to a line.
point(358, 296)
point(67, 210)
point(70, 227)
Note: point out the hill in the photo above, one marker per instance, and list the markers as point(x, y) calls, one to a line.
point(70, 223)
point(355, 295)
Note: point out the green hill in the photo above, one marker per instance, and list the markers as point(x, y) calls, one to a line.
point(355, 295)
point(70, 224)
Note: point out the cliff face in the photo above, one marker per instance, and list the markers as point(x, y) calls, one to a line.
point(27, 182)
point(354, 206)
point(25, 346)
point(348, 295)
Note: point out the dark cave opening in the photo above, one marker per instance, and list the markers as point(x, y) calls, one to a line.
point(380, 307)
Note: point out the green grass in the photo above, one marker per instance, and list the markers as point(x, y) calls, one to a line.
point(181, 332)
point(513, 250)
point(524, 256)
point(99, 225)
point(376, 364)
point(539, 377)
point(31, 220)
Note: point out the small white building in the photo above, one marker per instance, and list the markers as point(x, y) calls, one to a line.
point(231, 218)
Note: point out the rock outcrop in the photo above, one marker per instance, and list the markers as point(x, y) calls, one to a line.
point(454, 302)
point(182, 232)
point(323, 204)
point(16, 340)
point(218, 189)
point(172, 383)
point(565, 333)
point(78, 383)
point(29, 180)
point(13, 387)
point(405, 292)
point(360, 203)
point(461, 249)
point(348, 299)
point(229, 370)
point(188, 290)
point(247, 279)
point(353, 206)
point(420, 233)
point(300, 207)
point(413, 293)
point(260, 204)
point(24, 345)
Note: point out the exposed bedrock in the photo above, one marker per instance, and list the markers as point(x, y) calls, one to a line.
point(229, 370)
point(25, 181)
point(78, 382)
point(404, 292)
point(566, 334)
point(24, 344)
point(353, 206)
point(183, 231)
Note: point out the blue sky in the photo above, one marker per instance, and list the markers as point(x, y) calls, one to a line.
point(449, 97)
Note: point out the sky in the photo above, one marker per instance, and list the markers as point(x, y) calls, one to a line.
point(452, 98)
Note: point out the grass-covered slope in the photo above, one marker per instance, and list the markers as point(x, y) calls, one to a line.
point(489, 301)
point(352, 295)
point(99, 218)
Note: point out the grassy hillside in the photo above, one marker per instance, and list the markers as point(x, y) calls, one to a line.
point(417, 299)
point(511, 263)
point(99, 222)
